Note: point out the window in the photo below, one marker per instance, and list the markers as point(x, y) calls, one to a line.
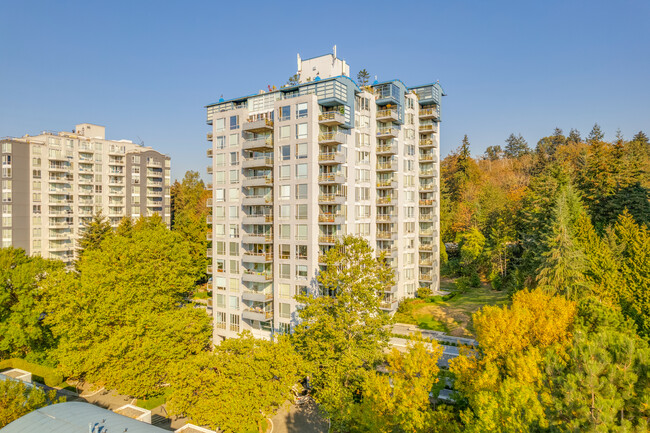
point(234, 248)
point(285, 192)
point(284, 251)
point(234, 231)
point(234, 266)
point(221, 300)
point(363, 140)
point(234, 302)
point(36, 162)
point(285, 231)
point(285, 131)
point(234, 323)
point(220, 247)
point(6, 147)
point(301, 252)
point(301, 191)
point(220, 142)
point(285, 310)
point(301, 171)
point(301, 211)
point(285, 152)
point(285, 328)
point(285, 270)
point(219, 194)
point(220, 265)
point(219, 212)
point(301, 150)
point(285, 290)
point(234, 176)
point(363, 211)
point(234, 122)
point(285, 112)
point(233, 194)
point(6, 159)
point(220, 159)
point(233, 212)
point(363, 229)
point(285, 172)
point(219, 229)
point(219, 177)
point(220, 124)
point(363, 157)
point(362, 193)
point(220, 320)
point(301, 272)
point(285, 211)
point(301, 110)
point(301, 130)
point(36, 174)
point(301, 232)
point(233, 139)
point(234, 158)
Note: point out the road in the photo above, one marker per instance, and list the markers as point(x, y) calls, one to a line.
point(406, 329)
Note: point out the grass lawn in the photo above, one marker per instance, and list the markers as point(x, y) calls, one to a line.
point(453, 316)
point(154, 402)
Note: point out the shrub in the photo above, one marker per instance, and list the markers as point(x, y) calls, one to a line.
point(41, 374)
point(424, 292)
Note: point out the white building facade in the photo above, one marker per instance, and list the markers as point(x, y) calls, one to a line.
point(54, 182)
point(294, 170)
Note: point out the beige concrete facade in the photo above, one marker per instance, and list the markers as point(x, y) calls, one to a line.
point(53, 183)
point(294, 170)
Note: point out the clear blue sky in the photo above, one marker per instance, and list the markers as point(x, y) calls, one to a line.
point(147, 69)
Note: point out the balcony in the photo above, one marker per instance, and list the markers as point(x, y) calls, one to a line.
point(428, 127)
point(258, 162)
point(426, 263)
point(209, 169)
point(427, 233)
point(426, 276)
point(260, 125)
point(429, 187)
point(386, 217)
point(427, 247)
point(208, 219)
point(390, 305)
point(210, 153)
point(386, 200)
point(427, 173)
point(255, 238)
point(387, 115)
point(328, 239)
point(429, 113)
point(208, 252)
point(387, 166)
point(258, 219)
point(208, 186)
point(208, 202)
point(209, 136)
point(388, 183)
point(331, 198)
point(387, 150)
point(427, 218)
point(331, 178)
point(331, 118)
point(254, 314)
point(331, 218)
point(252, 257)
point(427, 158)
point(330, 158)
point(257, 200)
point(258, 143)
point(427, 202)
point(386, 235)
point(426, 143)
point(257, 277)
point(331, 138)
point(250, 295)
point(387, 132)
point(257, 180)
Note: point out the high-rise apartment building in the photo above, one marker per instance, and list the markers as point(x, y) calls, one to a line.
point(53, 183)
point(294, 169)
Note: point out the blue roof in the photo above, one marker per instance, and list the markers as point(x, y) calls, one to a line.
point(75, 417)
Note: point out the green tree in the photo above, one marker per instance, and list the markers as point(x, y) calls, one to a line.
point(122, 319)
point(363, 77)
point(22, 333)
point(493, 153)
point(399, 400)
point(595, 135)
point(293, 80)
point(641, 137)
point(573, 137)
point(189, 211)
point(564, 264)
point(516, 146)
point(18, 399)
point(502, 236)
point(246, 378)
point(341, 335)
point(472, 252)
point(94, 232)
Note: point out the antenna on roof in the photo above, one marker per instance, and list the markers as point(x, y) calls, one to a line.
point(141, 141)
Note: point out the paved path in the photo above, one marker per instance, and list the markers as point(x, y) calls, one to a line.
point(304, 419)
point(406, 329)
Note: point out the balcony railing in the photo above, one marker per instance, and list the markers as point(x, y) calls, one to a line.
point(328, 217)
point(332, 177)
point(429, 113)
point(385, 200)
point(267, 275)
point(327, 239)
point(331, 137)
point(385, 183)
point(330, 198)
point(329, 156)
point(265, 256)
point(385, 217)
point(331, 118)
point(426, 142)
point(386, 166)
point(387, 132)
point(428, 127)
point(427, 202)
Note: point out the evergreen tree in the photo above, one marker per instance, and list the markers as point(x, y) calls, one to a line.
point(516, 146)
point(564, 264)
point(494, 153)
point(293, 80)
point(641, 137)
point(362, 78)
point(573, 137)
point(595, 135)
point(94, 232)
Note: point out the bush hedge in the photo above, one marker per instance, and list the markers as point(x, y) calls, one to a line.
point(47, 375)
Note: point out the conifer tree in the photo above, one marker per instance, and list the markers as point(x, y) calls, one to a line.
point(595, 135)
point(573, 137)
point(516, 146)
point(98, 229)
point(363, 77)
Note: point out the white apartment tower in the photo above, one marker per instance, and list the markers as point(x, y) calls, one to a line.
point(53, 183)
point(294, 169)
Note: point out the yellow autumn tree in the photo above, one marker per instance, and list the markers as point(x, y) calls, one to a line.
point(503, 380)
